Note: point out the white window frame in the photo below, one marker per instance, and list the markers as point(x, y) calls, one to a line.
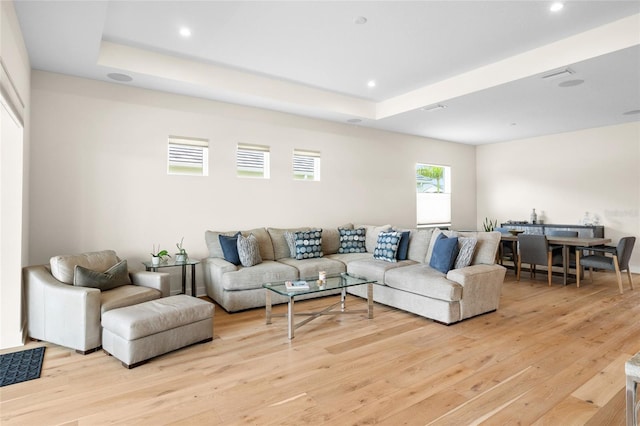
point(433, 205)
point(306, 165)
point(253, 161)
point(187, 156)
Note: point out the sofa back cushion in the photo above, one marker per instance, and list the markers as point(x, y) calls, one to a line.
point(281, 249)
point(63, 267)
point(486, 246)
point(371, 237)
point(419, 240)
point(261, 234)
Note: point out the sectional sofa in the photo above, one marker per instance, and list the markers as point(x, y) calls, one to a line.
point(470, 285)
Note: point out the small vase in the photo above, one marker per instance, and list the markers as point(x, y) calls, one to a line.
point(155, 260)
point(181, 257)
point(534, 217)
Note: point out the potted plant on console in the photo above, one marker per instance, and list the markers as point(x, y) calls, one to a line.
point(182, 255)
point(158, 255)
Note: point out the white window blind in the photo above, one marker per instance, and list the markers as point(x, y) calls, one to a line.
point(188, 156)
point(433, 195)
point(306, 165)
point(253, 161)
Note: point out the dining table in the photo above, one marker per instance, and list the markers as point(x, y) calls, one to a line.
point(565, 242)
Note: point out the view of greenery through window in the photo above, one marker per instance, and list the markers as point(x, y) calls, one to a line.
point(433, 195)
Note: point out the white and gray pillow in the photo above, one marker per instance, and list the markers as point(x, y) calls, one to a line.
point(249, 250)
point(466, 249)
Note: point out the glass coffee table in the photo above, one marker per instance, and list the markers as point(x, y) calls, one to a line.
point(332, 282)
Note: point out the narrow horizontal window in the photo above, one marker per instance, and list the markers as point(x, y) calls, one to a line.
point(306, 165)
point(253, 161)
point(188, 156)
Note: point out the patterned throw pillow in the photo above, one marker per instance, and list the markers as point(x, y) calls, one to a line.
point(308, 244)
point(248, 250)
point(387, 246)
point(352, 240)
point(466, 248)
point(290, 238)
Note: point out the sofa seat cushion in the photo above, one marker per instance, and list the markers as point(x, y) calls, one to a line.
point(375, 269)
point(126, 295)
point(253, 277)
point(347, 258)
point(421, 279)
point(308, 268)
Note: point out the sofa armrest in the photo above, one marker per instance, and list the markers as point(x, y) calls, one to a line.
point(61, 313)
point(481, 288)
point(159, 280)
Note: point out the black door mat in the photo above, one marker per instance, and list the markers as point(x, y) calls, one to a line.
point(21, 366)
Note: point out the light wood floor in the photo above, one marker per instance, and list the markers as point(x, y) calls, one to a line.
point(548, 356)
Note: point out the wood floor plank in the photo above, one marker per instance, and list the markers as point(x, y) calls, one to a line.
point(548, 356)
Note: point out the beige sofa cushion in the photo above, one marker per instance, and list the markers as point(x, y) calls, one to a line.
point(421, 279)
point(486, 248)
point(331, 239)
point(374, 269)
point(62, 267)
point(255, 276)
point(212, 240)
point(280, 247)
point(419, 240)
point(126, 295)
point(264, 242)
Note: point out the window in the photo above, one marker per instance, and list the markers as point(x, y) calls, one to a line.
point(433, 195)
point(252, 161)
point(188, 156)
point(306, 165)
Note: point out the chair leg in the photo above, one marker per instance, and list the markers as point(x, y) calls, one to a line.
point(618, 274)
point(578, 267)
point(591, 275)
point(630, 280)
point(518, 268)
point(549, 266)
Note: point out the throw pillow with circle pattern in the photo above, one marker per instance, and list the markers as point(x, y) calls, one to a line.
point(352, 240)
point(387, 246)
point(308, 244)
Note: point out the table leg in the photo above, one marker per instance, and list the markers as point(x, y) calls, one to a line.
point(184, 279)
point(268, 305)
point(343, 297)
point(193, 280)
point(290, 317)
point(370, 300)
point(565, 263)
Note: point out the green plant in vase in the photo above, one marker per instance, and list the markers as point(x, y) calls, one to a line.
point(489, 225)
point(182, 255)
point(158, 255)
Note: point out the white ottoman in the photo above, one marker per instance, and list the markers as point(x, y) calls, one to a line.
point(137, 333)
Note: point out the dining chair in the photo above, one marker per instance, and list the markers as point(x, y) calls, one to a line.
point(608, 258)
point(535, 250)
point(571, 261)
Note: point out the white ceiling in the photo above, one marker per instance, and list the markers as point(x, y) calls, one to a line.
point(483, 60)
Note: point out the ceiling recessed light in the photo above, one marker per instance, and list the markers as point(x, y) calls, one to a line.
point(571, 83)
point(371, 83)
point(632, 112)
point(119, 77)
point(185, 32)
point(556, 6)
point(359, 20)
point(434, 107)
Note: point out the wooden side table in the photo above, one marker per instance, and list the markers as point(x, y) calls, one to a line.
point(172, 263)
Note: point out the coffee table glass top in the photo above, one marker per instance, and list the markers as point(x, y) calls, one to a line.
point(332, 282)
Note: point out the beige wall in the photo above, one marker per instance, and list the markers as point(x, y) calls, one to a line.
point(99, 171)
point(564, 175)
point(15, 85)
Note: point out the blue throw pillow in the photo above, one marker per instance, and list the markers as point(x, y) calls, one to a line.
point(352, 240)
point(403, 247)
point(309, 244)
point(230, 248)
point(445, 251)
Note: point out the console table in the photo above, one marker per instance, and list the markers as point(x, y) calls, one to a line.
point(584, 231)
point(171, 263)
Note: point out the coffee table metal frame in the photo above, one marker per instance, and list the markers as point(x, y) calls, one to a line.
point(333, 282)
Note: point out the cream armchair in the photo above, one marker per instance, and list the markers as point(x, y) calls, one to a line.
point(66, 299)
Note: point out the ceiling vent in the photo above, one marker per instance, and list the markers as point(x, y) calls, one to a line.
point(558, 74)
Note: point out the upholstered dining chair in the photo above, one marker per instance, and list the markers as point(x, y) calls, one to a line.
point(571, 261)
point(535, 250)
point(608, 258)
